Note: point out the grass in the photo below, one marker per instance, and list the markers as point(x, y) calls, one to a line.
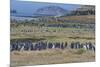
point(25, 39)
point(80, 51)
point(81, 18)
point(51, 57)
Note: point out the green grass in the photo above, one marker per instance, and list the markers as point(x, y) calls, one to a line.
point(25, 39)
point(80, 51)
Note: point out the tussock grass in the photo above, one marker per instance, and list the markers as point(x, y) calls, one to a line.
point(51, 56)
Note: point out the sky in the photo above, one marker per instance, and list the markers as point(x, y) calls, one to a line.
point(27, 7)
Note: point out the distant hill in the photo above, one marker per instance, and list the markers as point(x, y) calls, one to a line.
point(84, 10)
point(51, 11)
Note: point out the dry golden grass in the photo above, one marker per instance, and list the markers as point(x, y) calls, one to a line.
point(50, 57)
point(81, 18)
point(84, 16)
